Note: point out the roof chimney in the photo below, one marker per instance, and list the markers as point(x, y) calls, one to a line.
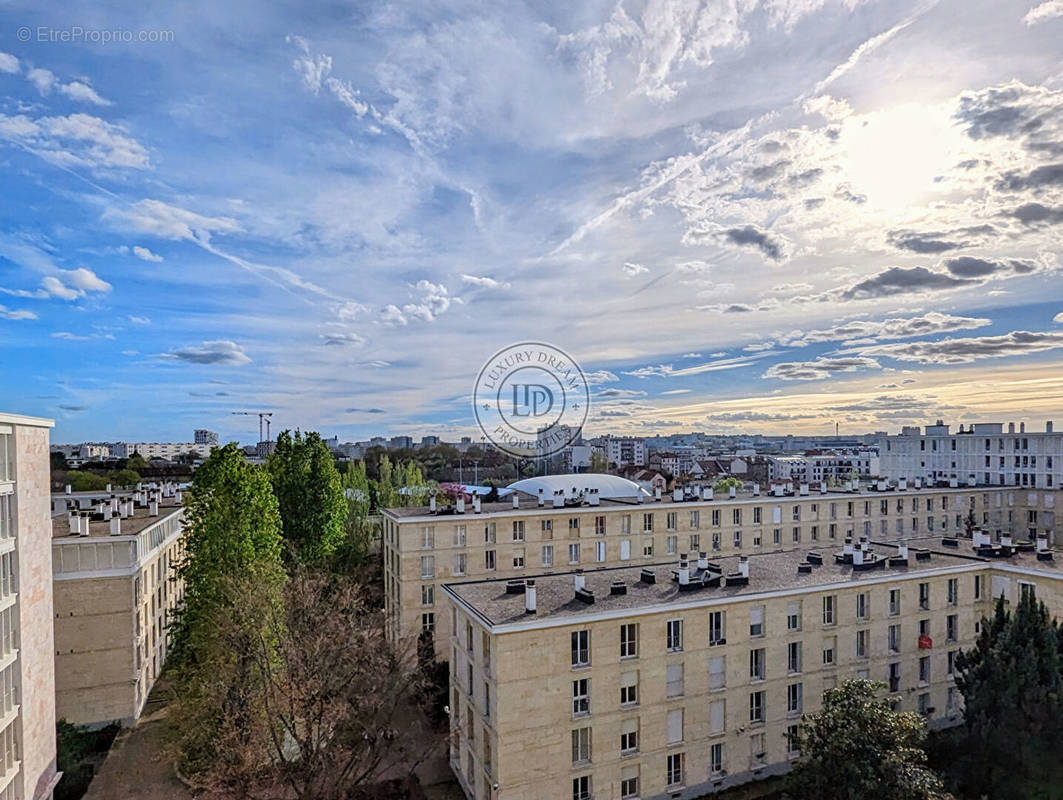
point(1022, 427)
point(677, 495)
point(431, 504)
point(75, 523)
point(542, 500)
point(707, 493)
point(1011, 427)
point(177, 497)
point(902, 551)
point(153, 508)
point(743, 566)
point(902, 484)
point(529, 596)
point(108, 489)
point(703, 560)
point(804, 489)
point(657, 493)
point(578, 580)
point(756, 489)
point(459, 505)
point(732, 491)
point(1048, 426)
point(684, 570)
point(559, 498)
point(516, 501)
point(58, 505)
point(84, 526)
point(116, 526)
point(858, 556)
point(595, 498)
point(68, 488)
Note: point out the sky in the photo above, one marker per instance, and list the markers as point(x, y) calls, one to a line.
point(736, 216)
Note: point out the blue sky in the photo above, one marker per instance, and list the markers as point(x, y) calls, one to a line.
point(735, 215)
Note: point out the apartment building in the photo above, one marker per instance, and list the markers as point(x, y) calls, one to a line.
point(983, 452)
point(593, 521)
point(625, 452)
point(674, 681)
point(27, 666)
point(167, 450)
point(204, 436)
point(115, 589)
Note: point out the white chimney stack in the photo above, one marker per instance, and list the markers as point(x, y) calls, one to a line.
point(559, 498)
point(847, 548)
point(657, 493)
point(431, 504)
point(677, 495)
point(516, 500)
point(529, 596)
point(84, 525)
point(75, 523)
point(804, 489)
point(542, 500)
point(108, 489)
point(116, 526)
point(476, 503)
point(703, 560)
point(858, 556)
point(68, 488)
point(1005, 540)
point(902, 550)
point(596, 499)
point(732, 491)
point(460, 504)
point(177, 497)
point(882, 486)
point(743, 566)
point(918, 483)
point(1042, 544)
point(578, 580)
point(58, 505)
point(756, 489)
point(709, 494)
point(777, 490)
point(106, 513)
point(684, 570)
point(153, 508)
point(902, 484)
point(970, 480)
point(953, 483)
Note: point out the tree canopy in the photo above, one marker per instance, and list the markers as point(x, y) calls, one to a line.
point(857, 747)
point(310, 499)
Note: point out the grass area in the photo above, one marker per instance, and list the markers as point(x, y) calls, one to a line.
point(80, 753)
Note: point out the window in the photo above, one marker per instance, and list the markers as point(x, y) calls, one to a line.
point(829, 646)
point(756, 664)
point(716, 517)
point(548, 555)
point(950, 663)
point(629, 640)
point(716, 541)
point(674, 773)
point(599, 526)
point(757, 749)
point(924, 669)
point(546, 527)
point(428, 536)
point(581, 745)
point(581, 648)
point(489, 533)
point(675, 634)
point(794, 693)
point(924, 596)
point(459, 535)
point(716, 758)
point(862, 606)
point(629, 782)
point(459, 563)
point(793, 616)
point(695, 542)
point(647, 523)
point(756, 707)
point(894, 638)
point(717, 672)
point(428, 622)
point(428, 594)
point(951, 627)
point(581, 788)
point(629, 736)
point(647, 548)
point(581, 697)
point(489, 560)
point(828, 609)
point(625, 549)
point(738, 539)
point(895, 602)
point(629, 689)
point(977, 587)
point(573, 553)
point(625, 523)
point(573, 526)
point(717, 716)
point(671, 521)
point(793, 741)
point(674, 677)
point(599, 552)
point(675, 726)
point(518, 558)
point(671, 545)
point(924, 703)
point(717, 627)
point(776, 535)
point(695, 520)
point(861, 644)
point(518, 530)
point(756, 621)
point(428, 566)
point(793, 657)
point(953, 591)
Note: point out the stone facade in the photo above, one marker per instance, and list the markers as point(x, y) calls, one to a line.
point(27, 725)
point(659, 693)
point(422, 550)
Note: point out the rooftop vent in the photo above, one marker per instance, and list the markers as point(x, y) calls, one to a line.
point(804, 568)
point(529, 596)
point(648, 576)
point(617, 587)
point(814, 558)
point(585, 595)
point(950, 541)
point(515, 587)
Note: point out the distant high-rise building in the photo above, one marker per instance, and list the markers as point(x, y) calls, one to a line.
point(27, 648)
point(401, 442)
point(203, 436)
point(626, 452)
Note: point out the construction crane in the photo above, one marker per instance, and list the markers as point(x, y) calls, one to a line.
point(263, 416)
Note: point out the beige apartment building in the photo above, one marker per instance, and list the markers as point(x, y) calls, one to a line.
point(683, 679)
point(113, 558)
point(558, 523)
point(27, 668)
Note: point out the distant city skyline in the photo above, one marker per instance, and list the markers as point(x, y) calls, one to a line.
point(775, 217)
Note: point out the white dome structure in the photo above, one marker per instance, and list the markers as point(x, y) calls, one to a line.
point(608, 487)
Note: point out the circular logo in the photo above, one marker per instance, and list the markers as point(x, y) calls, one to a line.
point(531, 400)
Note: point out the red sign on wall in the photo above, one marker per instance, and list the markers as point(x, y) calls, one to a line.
point(925, 643)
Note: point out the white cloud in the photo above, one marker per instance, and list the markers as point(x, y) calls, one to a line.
point(676, 391)
point(8, 63)
point(341, 338)
point(758, 347)
point(144, 254)
point(631, 268)
point(76, 140)
point(434, 300)
point(86, 280)
point(218, 351)
point(82, 92)
point(17, 313)
point(818, 369)
point(140, 320)
point(697, 355)
point(55, 287)
point(1047, 10)
point(171, 222)
point(71, 284)
point(967, 350)
point(484, 281)
point(601, 376)
point(43, 79)
point(1058, 317)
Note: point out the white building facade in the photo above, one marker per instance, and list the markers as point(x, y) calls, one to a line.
point(984, 452)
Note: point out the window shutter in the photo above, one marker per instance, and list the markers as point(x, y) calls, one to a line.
point(716, 716)
point(675, 726)
point(716, 671)
point(625, 550)
point(756, 616)
point(1001, 585)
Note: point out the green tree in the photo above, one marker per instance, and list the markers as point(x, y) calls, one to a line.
point(309, 495)
point(232, 531)
point(136, 461)
point(354, 549)
point(123, 477)
point(723, 486)
point(386, 494)
point(81, 481)
point(599, 463)
point(857, 747)
point(57, 461)
point(233, 576)
point(1013, 703)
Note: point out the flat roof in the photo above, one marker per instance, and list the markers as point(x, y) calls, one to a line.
point(22, 419)
point(131, 526)
point(774, 573)
point(531, 504)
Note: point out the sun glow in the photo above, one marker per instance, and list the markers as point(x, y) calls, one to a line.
point(892, 157)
